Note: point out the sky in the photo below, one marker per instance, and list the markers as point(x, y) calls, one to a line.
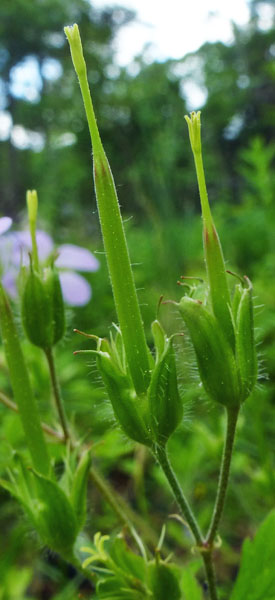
point(166, 28)
point(176, 27)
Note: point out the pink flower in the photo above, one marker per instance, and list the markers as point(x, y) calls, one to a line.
point(14, 249)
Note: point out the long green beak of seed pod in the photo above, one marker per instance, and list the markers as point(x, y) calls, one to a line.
point(219, 290)
point(32, 204)
point(117, 255)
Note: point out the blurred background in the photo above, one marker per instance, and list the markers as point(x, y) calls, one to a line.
point(146, 68)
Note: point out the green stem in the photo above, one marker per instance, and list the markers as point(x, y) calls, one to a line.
point(203, 546)
point(22, 391)
point(108, 494)
point(210, 574)
point(73, 560)
point(165, 464)
point(232, 417)
point(57, 394)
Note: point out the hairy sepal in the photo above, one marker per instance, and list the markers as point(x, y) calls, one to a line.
point(215, 357)
point(165, 403)
point(245, 341)
point(129, 409)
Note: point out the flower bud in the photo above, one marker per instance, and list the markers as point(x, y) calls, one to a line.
point(165, 404)
point(42, 308)
point(215, 358)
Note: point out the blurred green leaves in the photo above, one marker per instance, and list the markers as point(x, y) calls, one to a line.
point(256, 578)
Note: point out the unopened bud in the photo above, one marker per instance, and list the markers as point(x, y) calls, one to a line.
point(42, 308)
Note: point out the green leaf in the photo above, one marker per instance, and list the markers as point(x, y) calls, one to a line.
point(189, 585)
point(79, 489)
point(165, 583)
point(54, 515)
point(128, 562)
point(15, 491)
point(256, 578)
point(114, 588)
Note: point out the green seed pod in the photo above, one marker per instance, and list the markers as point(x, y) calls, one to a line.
point(245, 342)
point(43, 309)
point(219, 290)
point(216, 361)
point(117, 254)
point(130, 410)
point(36, 311)
point(53, 287)
point(165, 404)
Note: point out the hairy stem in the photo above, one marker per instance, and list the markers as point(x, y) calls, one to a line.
point(203, 546)
point(57, 394)
point(210, 574)
point(232, 417)
point(164, 462)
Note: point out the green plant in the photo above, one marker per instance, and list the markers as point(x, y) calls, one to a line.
point(143, 389)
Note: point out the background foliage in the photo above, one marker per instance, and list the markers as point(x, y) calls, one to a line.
point(140, 113)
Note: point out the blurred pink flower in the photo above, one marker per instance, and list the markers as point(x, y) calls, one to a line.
point(14, 249)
